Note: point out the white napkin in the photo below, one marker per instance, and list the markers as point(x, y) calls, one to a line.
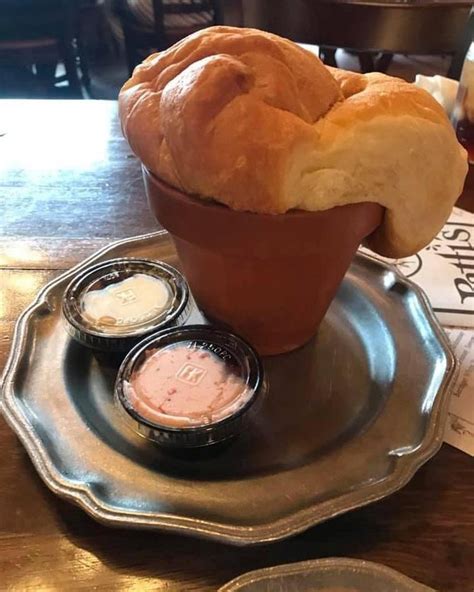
point(442, 89)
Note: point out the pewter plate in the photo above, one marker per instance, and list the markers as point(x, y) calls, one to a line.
point(325, 575)
point(348, 420)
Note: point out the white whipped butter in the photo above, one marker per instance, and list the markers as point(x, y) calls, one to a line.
point(127, 303)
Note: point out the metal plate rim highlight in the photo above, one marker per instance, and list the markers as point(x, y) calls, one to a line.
point(385, 575)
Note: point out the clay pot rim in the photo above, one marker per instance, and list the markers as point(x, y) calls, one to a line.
point(211, 204)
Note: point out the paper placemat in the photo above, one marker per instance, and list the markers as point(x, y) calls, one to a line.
point(460, 426)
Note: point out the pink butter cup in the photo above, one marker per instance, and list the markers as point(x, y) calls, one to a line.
point(189, 387)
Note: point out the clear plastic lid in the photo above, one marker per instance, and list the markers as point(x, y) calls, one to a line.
point(113, 304)
point(190, 386)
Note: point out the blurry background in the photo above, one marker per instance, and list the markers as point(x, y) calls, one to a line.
point(86, 48)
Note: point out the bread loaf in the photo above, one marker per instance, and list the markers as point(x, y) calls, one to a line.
point(254, 121)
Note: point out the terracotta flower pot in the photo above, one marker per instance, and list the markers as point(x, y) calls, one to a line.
point(270, 278)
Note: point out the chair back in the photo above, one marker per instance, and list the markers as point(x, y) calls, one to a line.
point(176, 8)
point(138, 37)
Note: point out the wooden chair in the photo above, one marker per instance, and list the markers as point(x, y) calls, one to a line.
point(139, 40)
point(41, 33)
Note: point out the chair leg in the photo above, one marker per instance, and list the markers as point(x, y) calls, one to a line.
point(366, 62)
point(383, 62)
point(83, 62)
point(70, 64)
point(328, 56)
point(130, 51)
point(45, 74)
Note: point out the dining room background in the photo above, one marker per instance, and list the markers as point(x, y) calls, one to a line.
point(87, 48)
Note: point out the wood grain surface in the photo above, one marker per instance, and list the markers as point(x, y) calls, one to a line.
point(68, 186)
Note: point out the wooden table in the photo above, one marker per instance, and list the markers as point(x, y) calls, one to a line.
point(69, 185)
point(367, 27)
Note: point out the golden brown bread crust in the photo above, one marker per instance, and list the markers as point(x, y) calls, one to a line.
point(260, 124)
point(216, 114)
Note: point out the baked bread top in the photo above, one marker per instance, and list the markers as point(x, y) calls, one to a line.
point(256, 122)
